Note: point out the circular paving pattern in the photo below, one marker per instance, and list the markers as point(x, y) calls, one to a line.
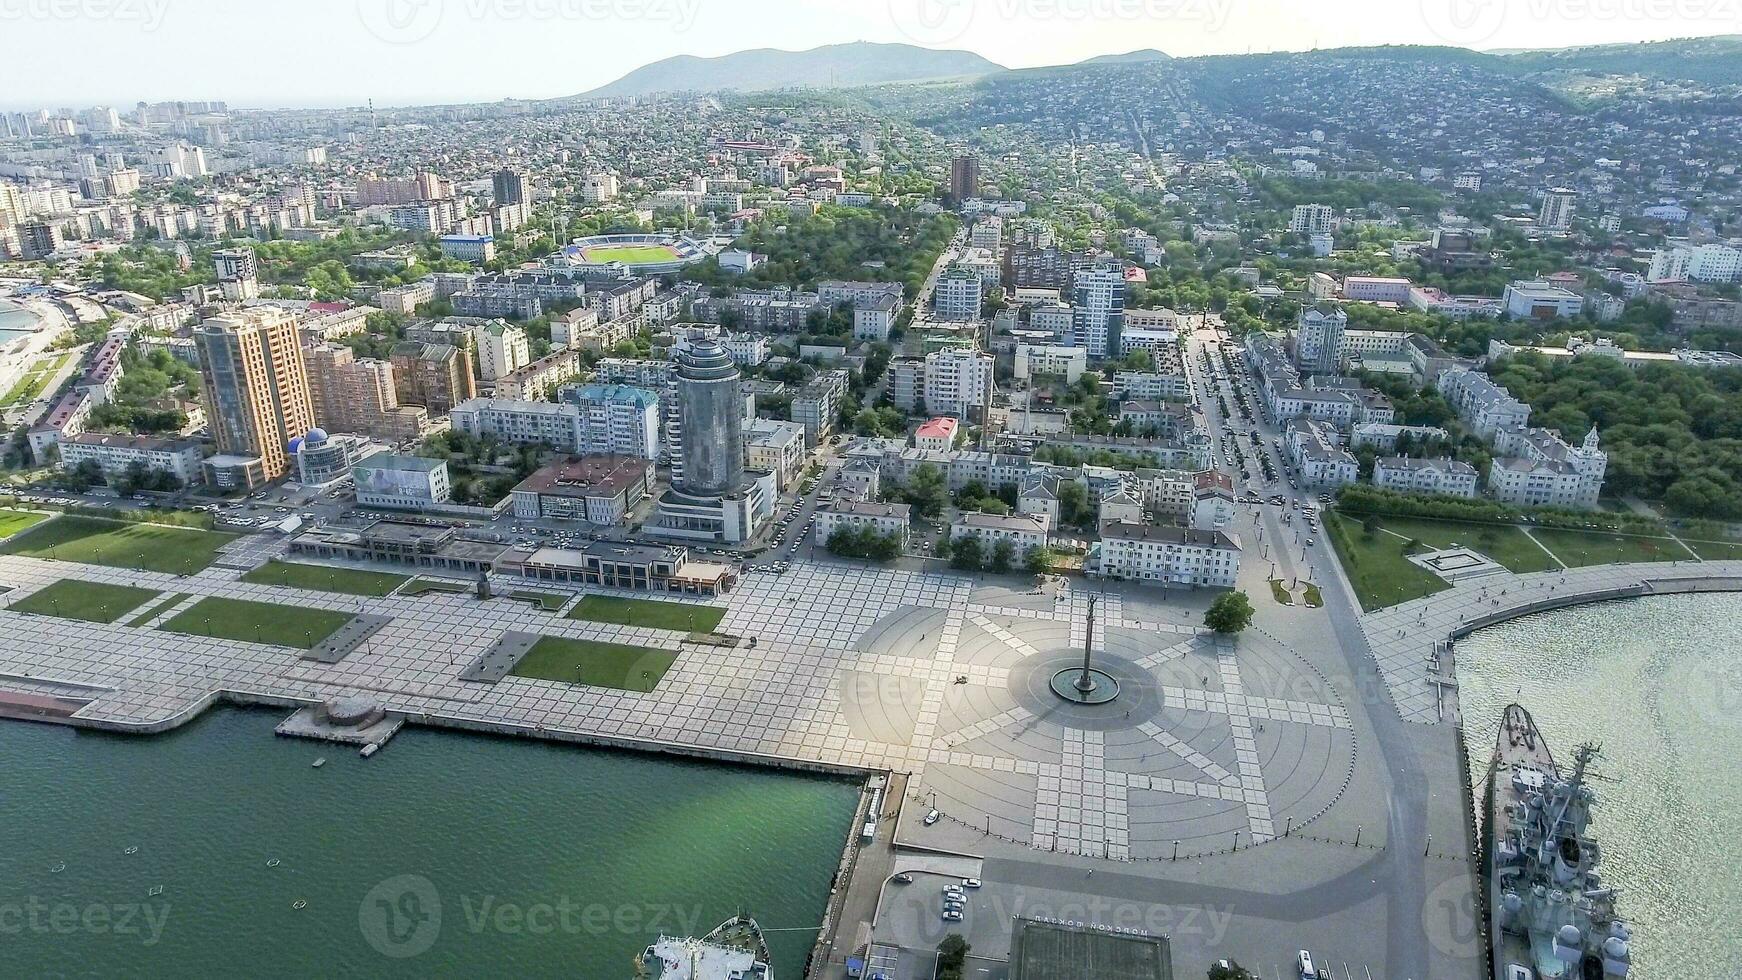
point(1205, 746)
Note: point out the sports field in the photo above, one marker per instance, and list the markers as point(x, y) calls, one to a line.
point(630, 254)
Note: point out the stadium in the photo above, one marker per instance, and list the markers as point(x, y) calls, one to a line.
point(644, 255)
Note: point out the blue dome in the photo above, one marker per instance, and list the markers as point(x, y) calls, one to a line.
point(295, 445)
point(315, 436)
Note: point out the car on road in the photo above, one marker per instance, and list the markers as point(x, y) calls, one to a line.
point(932, 816)
point(950, 916)
point(903, 879)
point(970, 882)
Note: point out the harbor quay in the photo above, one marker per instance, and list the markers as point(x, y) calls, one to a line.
point(1226, 773)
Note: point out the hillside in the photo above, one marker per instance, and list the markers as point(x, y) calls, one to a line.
point(764, 69)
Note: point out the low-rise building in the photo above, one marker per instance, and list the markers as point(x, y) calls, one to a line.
point(1538, 299)
point(600, 490)
point(1439, 476)
point(116, 455)
point(1023, 531)
point(396, 482)
point(521, 423)
point(1165, 555)
point(612, 565)
point(862, 515)
point(1318, 455)
point(937, 435)
point(1066, 362)
point(776, 447)
point(1535, 468)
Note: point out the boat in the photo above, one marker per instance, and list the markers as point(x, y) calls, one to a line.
point(1549, 914)
point(734, 950)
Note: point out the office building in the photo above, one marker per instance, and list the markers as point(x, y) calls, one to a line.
point(396, 482)
point(714, 499)
point(1538, 299)
point(256, 389)
point(600, 490)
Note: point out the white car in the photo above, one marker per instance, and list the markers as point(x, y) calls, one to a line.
point(931, 818)
point(970, 882)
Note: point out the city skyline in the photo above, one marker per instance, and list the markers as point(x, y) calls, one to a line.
point(540, 49)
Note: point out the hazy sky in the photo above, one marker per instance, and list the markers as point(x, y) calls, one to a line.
point(75, 53)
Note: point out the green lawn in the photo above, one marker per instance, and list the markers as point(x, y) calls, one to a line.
point(424, 586)
point(257, 622)
point(11, 522)
point(154, 547)
point(1376, 565)
point(1577, 548)
point(30, 387)
point(159, 609)
point(632, 254)
point(645, 612)
point(1507, 545)
point(350, 581)
point(1314, 598)
point(1716, 550)
point(1279, 592)
point(92, 602)
point(548, 601)
point(614, 665)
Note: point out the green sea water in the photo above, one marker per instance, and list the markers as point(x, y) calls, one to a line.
point(445, 855)
point(1658, 683)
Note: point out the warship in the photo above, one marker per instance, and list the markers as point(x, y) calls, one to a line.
point(1550, 916)
point(734, 950)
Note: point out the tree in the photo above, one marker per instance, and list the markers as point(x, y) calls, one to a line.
point(928, 491)
point(966, 554)
point(952, 956)
point(1003, 553)
point(1039, 560)
point(1230, 970)
point(1229, 614)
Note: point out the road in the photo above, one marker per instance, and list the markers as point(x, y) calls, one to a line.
point(1398, 870)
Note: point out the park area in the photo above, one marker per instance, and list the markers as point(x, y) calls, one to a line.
point(11, 522)
point(257, 622)
point(595, 664)
point(117, 544)
point(30, 387)
point(682, 616)
point(91, 602)
point(1579, 548)
point(326, 578)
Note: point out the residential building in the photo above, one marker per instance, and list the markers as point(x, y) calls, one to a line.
point(1098, 309)
point(937, 435)
point(1150, 386)
point(1382, 436)
point(600, 490)
point(958, 382)
point(359, 396)
point(1318, 340)
point(1066, 362)
point(1316, 451)
point(435, 376)
point(539, 380)
point(1165, 555)
point(1038, 496)
point(469, 248)
point(1484, 406)
point(1440, 476)
point(255, 387)
point(818, 405)
point(1312, 219)
point(775, 447)
point(501, 347)
point(1535, 468)
point(845, 511)
point(958, 295)
point(616, 420)
point(907, 384)
point(117, 455)
point(964, 180)
point(391, 481)
point(1558, 208)
point(873, 319)
point(521, 423)
point(1024, 532)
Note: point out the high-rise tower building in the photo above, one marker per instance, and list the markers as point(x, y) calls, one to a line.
point(712, 409)
point(256, 386)
point(964, 179)
point(509, 186)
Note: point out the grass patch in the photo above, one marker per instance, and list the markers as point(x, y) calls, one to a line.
point(1504, 543)
point(1580, 548)
point(153, 547)
point(1716, 550)
point(1279, 592)
point(679, 616)
point(257, 622)
point(424, 586)
point(548, 601)
point(15, 521)
point(613, 665)
point(1314, 598)
point(159, 609)
point(30, 387)
point(92, 602)
point(632, 254)
point(1377, 566)
point(350, 581)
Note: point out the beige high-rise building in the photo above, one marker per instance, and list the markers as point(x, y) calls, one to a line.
point(358, 396)
point(256, 385)
point(436, 376)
